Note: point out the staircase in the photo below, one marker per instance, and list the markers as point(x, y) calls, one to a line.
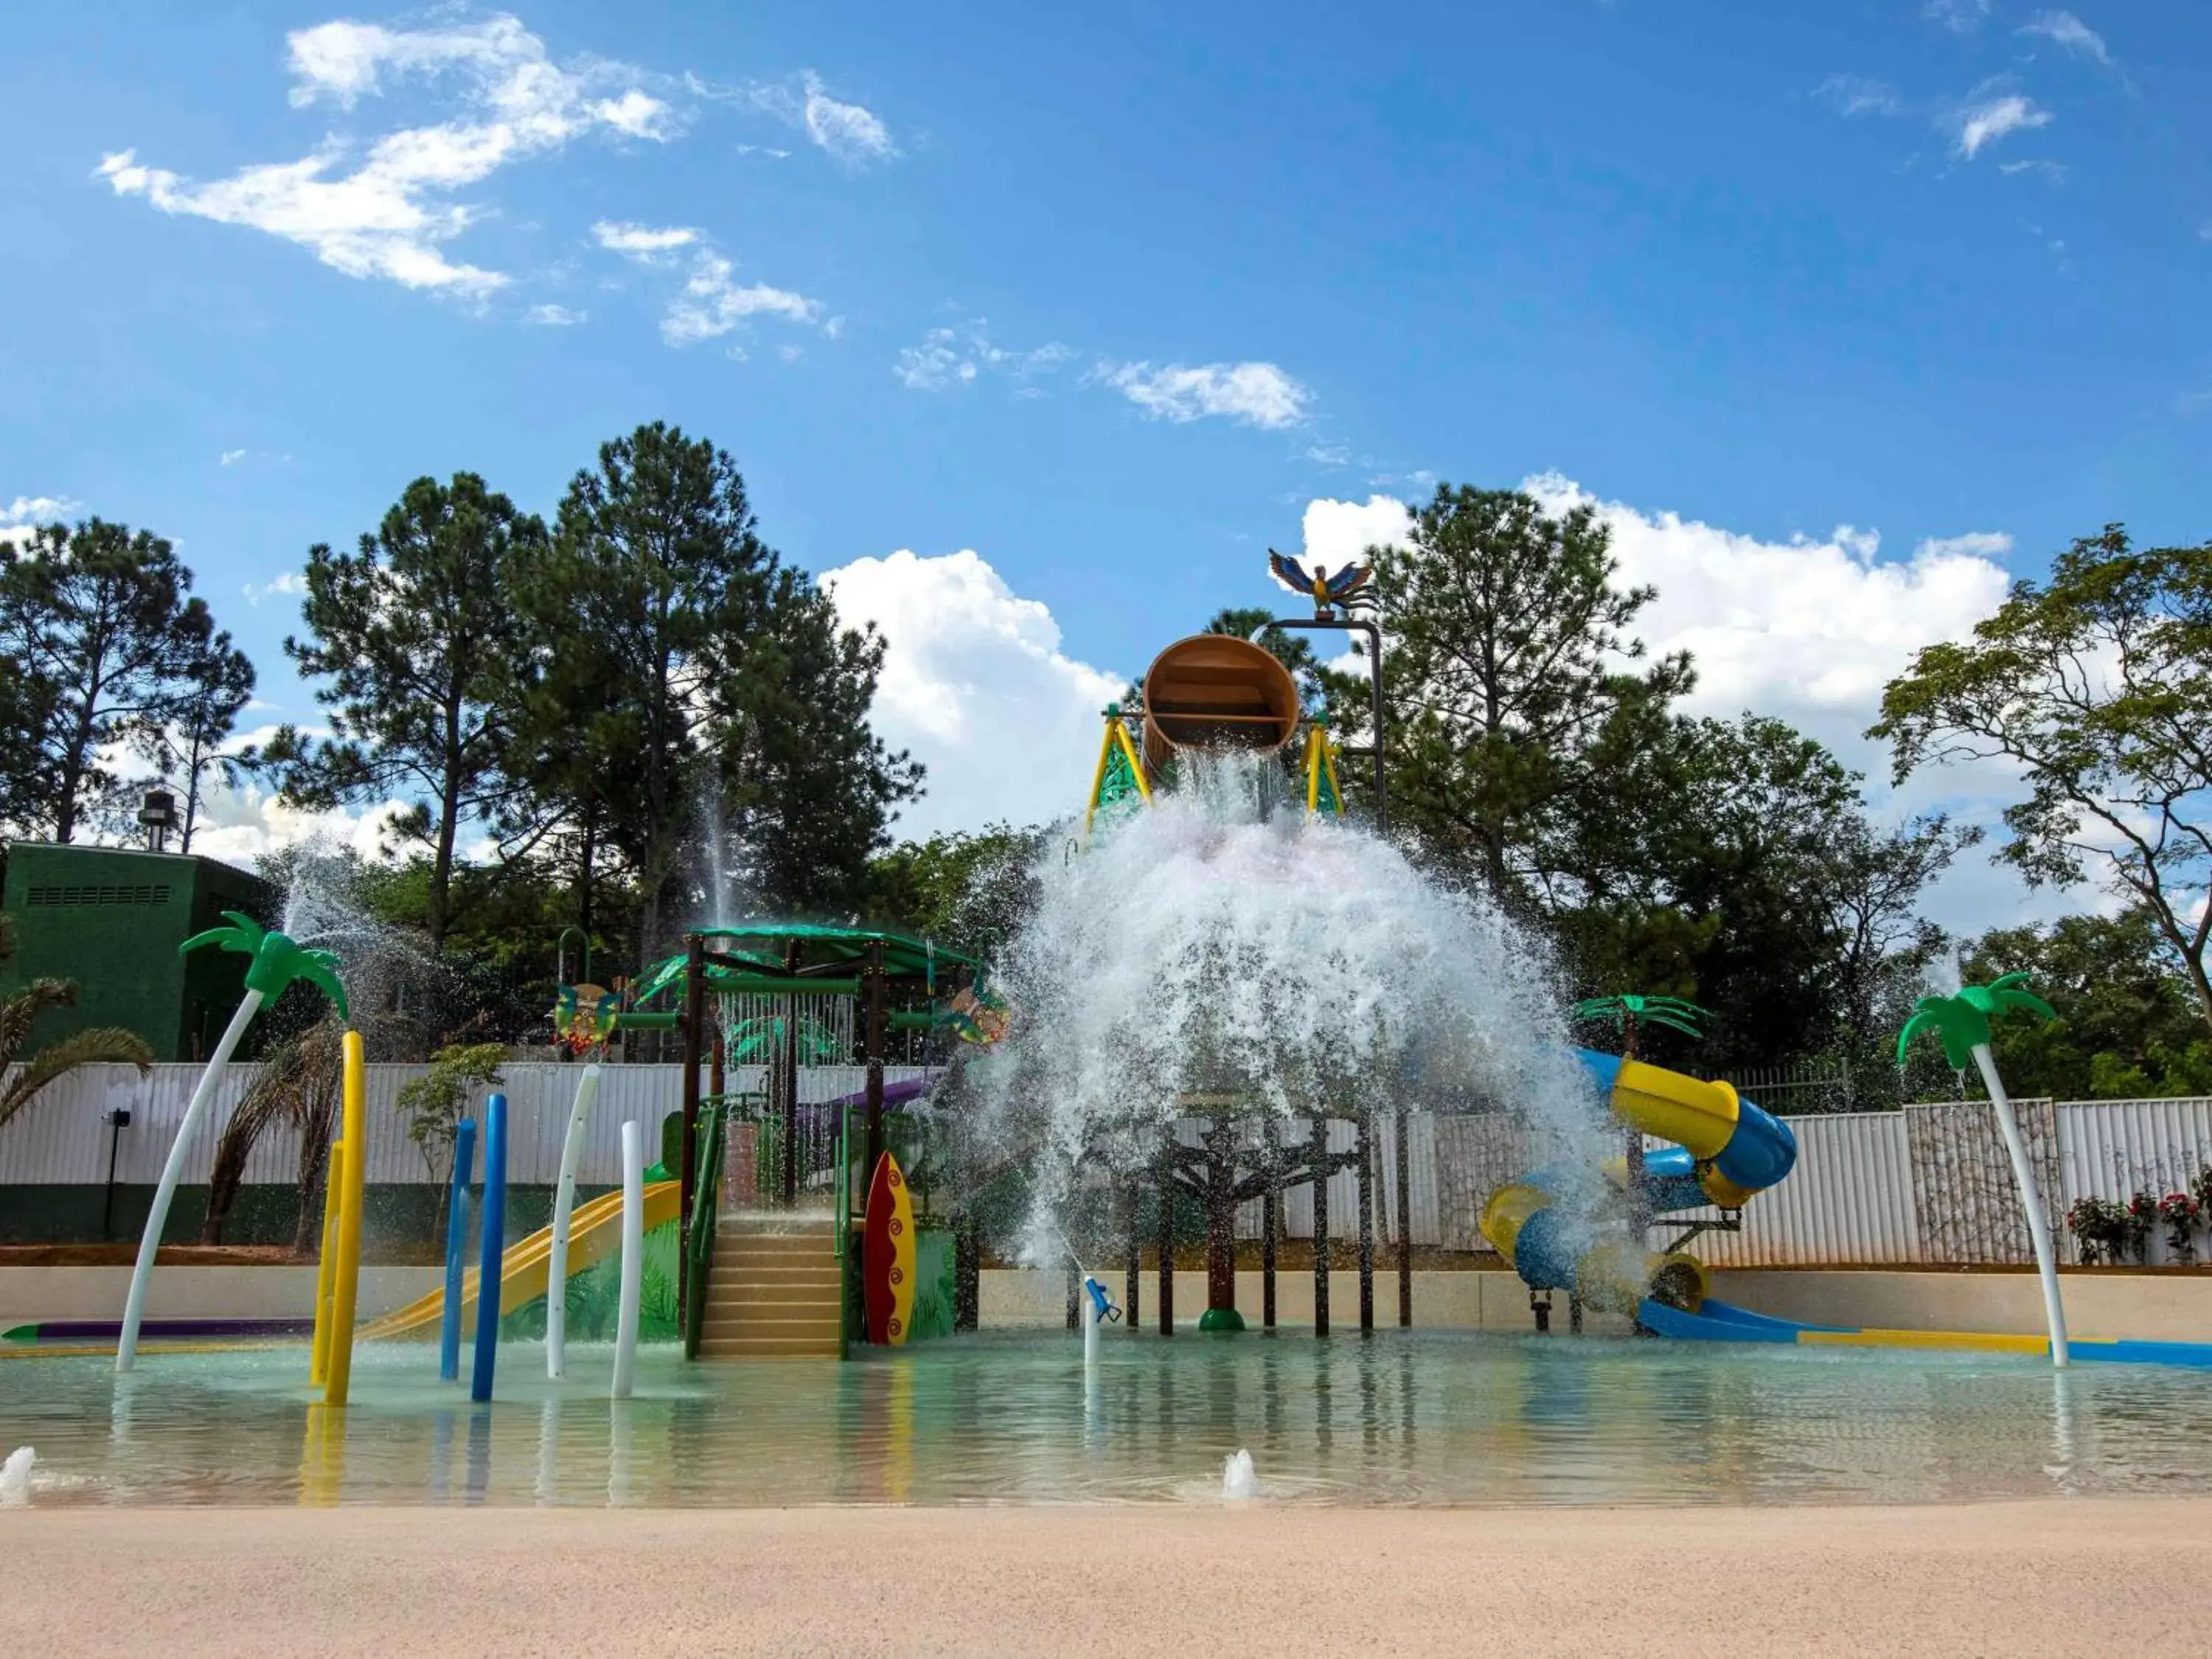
point(773, 1294)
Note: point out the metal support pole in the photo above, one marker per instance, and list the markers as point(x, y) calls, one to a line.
point(873, 976)
point(1271, 1211)
point(1401, 1127)
point(1136, 1269)
point(694, 1019)
point(1321, 1224)
point(1366, 1130)
point(789, 1181)
point(1167, 1245)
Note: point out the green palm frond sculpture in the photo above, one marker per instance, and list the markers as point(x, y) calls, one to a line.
point(277, 960)
point(1962, 1022)
point(1626, 1013)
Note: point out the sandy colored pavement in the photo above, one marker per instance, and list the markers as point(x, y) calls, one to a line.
point(2050, 1578)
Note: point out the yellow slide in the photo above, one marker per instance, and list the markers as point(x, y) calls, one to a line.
point(595, 1230)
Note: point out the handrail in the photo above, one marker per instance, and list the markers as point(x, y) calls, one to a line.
point(839, 1235)
point(699, 1246)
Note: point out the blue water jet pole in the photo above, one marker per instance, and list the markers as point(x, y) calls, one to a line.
point(456, 1246)
point(488, 1256)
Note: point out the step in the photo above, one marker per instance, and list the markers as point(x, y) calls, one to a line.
point(777, 1294)
point(769, 1347)
point(796, 1272)
point(737, 1326)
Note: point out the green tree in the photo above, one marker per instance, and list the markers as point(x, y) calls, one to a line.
point(808, 788)
point(187, 750)
point(1508, 703)
point(1749, 878)
point(2128, 1026)
point(99, 626)
point(2097, 687)
point(657, 579)
point(967, 888)
point(421, 636)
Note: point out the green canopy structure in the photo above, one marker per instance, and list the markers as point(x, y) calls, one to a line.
point(769, 956)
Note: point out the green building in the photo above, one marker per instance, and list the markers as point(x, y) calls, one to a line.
point(112, 919)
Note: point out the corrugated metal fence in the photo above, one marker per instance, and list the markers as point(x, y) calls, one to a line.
point(1929, 1183)
point(61, 1138)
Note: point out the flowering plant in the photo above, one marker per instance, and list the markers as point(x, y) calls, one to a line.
point(2142, 1215)
point(2179, 1212)
point(2100, 1226)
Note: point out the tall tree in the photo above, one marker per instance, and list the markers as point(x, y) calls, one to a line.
point(2096, 688)
point(1506, 694)
point(656, 581)
point(808, 788)
point(99, 625)
point(422, 639)
point(187, 750)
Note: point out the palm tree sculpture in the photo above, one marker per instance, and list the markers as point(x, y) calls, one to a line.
point(1962, 1023)
point(277, 961)
point(1627, 1013)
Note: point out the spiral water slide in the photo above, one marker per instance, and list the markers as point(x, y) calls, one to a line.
point(1727, 1151)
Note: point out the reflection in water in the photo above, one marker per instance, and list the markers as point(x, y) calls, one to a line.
point(1399, 1417)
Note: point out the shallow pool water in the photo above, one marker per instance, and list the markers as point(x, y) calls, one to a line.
point(1401, 1417)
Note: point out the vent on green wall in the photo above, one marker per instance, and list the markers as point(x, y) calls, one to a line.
point(156, 893)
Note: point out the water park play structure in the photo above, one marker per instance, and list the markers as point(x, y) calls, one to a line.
point(791, 1227)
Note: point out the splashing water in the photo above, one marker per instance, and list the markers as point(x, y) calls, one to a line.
point(16, 1476)
point(1239, 1484)
point(1205, 946)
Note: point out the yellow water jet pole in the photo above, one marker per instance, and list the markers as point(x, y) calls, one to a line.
point(318, 1365)
point(345, 1274)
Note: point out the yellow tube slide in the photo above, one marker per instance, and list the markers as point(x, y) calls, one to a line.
point(595, 1230)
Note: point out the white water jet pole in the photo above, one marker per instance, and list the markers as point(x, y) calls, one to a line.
point(2030, 1200)
point(1091, 1324)
point(633, 1259)
point(564, 1204)
point(134, 1306)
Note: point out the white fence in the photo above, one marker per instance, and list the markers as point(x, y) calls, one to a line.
point(61, 1138)
point(1850, 1199)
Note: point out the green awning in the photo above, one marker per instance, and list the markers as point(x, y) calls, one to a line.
point(757, 950)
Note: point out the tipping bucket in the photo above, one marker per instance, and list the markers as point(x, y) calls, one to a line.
point(1217, 691)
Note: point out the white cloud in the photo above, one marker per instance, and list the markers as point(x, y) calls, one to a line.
point(1987, 115)
point(955, 356)
point(231, 458)
point(637, 115)
point(290, 584)
point(976, 686)
point(2064, 28)
point(1854, 94)
point(768, 150)
point(713, 302)
point(646, 244)
point(852, 134)
point(28, 512)
point(1960, 16)
point(1974, 545)
point(386, 211)
point(2053, 172)
point(1807, 630)
point(550, 315)
point(1252, 393)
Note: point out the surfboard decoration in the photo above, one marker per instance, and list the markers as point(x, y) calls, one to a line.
point(887, 1255)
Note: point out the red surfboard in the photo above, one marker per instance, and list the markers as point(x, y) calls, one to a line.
point(887, 1255)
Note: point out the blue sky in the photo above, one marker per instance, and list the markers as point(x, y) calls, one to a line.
point(1117, 297)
